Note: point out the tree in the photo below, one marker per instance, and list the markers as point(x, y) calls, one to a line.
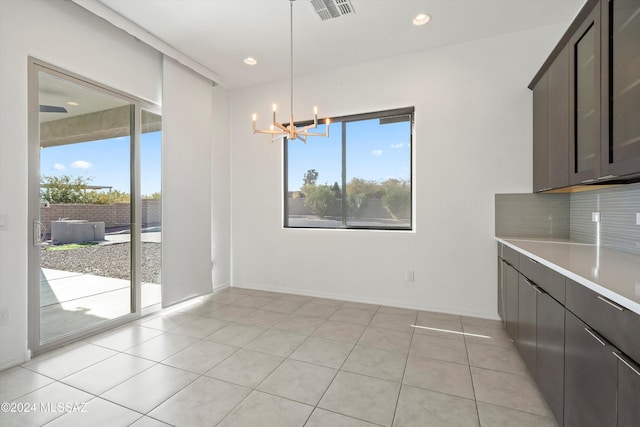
point(69, 189)
point(113, 196)
point(359, 192)
point(320, 200)
point(157, 195)
point(64, 189)
point(336, 190)
point(310, 177)
point(397, 198)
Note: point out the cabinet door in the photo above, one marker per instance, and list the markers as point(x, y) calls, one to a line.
point(527, 296)
point(540, 134)
point(511, 302)
point(584, 114)
point(628, 392)
point(550, 353)
point(591, 372)
point(502, 266)
point(558, 137)
point(621, 97)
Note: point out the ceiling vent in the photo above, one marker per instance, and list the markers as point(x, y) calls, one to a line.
point(329, 9)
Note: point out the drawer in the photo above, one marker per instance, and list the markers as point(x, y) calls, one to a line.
point(548, 280)
point(511, 256)
point(615, 323)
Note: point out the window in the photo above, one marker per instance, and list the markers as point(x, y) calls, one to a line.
point(359, 177)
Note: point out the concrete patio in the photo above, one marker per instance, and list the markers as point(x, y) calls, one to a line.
point(74, 301)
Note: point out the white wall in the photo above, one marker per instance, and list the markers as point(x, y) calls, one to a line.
point(472, 139)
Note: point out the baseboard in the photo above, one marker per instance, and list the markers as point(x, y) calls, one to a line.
point(12, 363)
point(221, 287)
point(374, 301)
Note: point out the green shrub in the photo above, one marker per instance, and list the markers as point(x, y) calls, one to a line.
point(320, 199)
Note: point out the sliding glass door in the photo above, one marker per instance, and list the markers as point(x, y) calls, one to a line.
point(86, 206)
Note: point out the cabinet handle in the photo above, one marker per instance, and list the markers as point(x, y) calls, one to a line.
point(622, 359)
point(534, 286)
point(607, 177)
point(593, 334)
point(533, 261)
point(612, 304)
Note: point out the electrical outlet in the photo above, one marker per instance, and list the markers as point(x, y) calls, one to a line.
point(409, 277)
point(5, 316)
point(3, 222)
point(638, 218)
point(595, 216)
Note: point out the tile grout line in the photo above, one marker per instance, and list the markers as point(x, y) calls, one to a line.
point(342, 365)
point(404, 371)
point(473, 387)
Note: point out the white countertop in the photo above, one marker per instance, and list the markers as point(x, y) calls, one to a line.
point(613, 274)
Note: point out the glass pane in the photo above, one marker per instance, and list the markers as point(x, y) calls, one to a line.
point(625, 86)
point(151, 189)
point(314, 179)
point(378, 170)
point(85, 182)
point(585, 68)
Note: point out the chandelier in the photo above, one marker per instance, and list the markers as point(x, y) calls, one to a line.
point(277, 129)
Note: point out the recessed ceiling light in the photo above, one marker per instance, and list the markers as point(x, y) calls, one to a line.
point(250, 61)
point(72, 103)
point(421, 19)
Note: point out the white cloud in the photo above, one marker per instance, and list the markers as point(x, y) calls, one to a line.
point(58, 167)
point(397, 146)
point(81, 164)
point(377, 152)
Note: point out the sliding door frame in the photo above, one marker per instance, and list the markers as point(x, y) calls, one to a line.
point(36, 66)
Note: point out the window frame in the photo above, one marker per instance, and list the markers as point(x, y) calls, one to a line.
point(406, 111)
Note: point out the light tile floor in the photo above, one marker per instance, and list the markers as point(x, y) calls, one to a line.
point(255, 358)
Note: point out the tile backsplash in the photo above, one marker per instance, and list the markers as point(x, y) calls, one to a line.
point(617, 208)
point(569, 215)
point(532, 215)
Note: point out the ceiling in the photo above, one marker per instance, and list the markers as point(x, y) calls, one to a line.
point(57, 92)
point(219, 34)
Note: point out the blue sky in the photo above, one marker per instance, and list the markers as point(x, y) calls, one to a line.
point(107, 162)
point(374, 152)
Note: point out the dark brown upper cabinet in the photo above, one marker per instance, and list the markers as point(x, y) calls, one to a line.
point(620, 41)
point(551, 126)
point(584, 101)
point(541, 134)
point(558, 139)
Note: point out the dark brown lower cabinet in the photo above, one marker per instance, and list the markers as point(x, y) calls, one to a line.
point(550, 353)
point(527, 313)
point(591, 372)
point(628, 392)
point(510, 285)
point(501, 296)
point(585, 364)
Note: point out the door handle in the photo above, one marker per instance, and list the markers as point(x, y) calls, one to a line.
point(612, 304)
point(594, 335)
point(37, 232)
point(622, 359)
